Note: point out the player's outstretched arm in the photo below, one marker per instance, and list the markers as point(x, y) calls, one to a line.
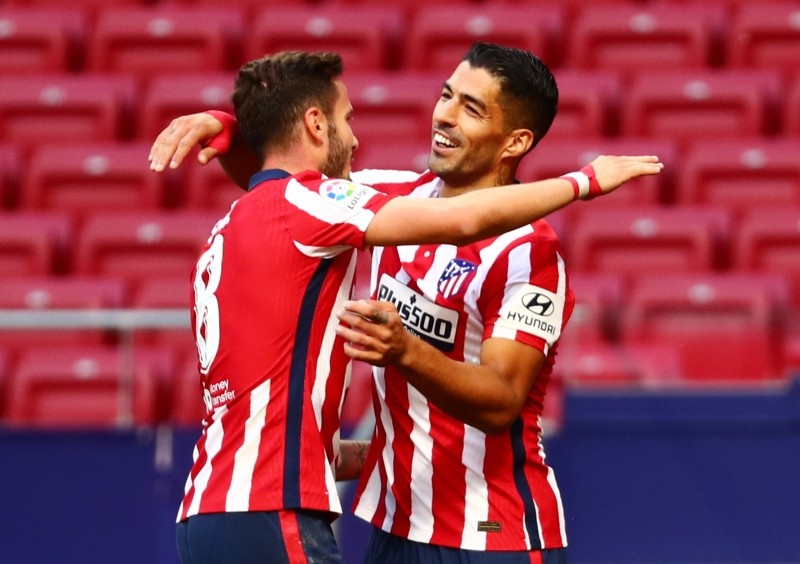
point(484, 213)
point(216, 139)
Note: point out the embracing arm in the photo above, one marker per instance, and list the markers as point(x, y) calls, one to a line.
point(184, 133)
point(488, 396)
point(488, 212)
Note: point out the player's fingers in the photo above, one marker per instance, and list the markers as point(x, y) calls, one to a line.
point(207, 155)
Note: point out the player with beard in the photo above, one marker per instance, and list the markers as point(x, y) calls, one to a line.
point(274, 272)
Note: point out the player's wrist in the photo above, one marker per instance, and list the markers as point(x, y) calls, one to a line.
point(222, 141)
point(584, 183)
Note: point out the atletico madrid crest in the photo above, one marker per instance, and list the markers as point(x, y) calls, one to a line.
point(454, 277)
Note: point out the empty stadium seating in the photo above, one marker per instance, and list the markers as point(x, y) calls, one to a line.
point(365, 36)
point(207, 187)
point(741, 175)
point(43, 293)
point(145, 41)
point(85, 178)
point(87, 387)
point(10, 166)
point(64, 107)
point(724, 326)
point(630, 241)
point(167, 97)
point(438, 36)
point(166, 292)
point(588, 104)
point(634, 37)
point(41, 40)
point(393, 106)
point(140, 245)
point(766, 35)
point(34, 243)
point(711, 104)
point(403, 155)
point(187, 408)
point(768, 240)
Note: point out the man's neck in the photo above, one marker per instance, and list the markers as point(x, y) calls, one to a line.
point(496, 178)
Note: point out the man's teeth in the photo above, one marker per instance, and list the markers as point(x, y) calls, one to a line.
point(442, 140)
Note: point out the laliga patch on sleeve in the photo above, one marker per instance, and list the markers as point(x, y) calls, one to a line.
point(346, 194)
point(535, 311)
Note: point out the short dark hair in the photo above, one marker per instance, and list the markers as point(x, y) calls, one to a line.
point(271, 95)
point(528, 90)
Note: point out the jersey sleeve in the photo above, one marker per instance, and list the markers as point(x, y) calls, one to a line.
point(528, 298)
point(329, 216)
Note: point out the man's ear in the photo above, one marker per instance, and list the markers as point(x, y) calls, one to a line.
point(316, 124)
point(519, 142)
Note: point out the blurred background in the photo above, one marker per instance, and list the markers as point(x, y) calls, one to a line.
point(673, 423)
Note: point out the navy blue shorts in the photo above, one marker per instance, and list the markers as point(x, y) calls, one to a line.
point(384, 548)
point(257, 537)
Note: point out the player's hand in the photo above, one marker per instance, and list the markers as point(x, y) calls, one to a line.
point(373, 332)
point(612, 172)
point(181, 136)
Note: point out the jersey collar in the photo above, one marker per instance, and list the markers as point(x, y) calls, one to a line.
point(264, 175)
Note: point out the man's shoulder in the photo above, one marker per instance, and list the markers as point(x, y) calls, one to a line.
point(398, 182)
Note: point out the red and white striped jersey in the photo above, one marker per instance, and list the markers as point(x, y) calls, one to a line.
point(429, 477)
point(266, 288)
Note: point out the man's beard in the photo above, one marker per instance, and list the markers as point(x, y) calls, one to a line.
point(338, 156)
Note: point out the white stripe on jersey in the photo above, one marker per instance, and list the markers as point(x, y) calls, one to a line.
point(476, 504)
point(312, 203)
point(321, 252)
point(213, 444)
point(389, 501)
point(323, 370)
point(421, 468)
point(244, 462)
point(373, 176)
point(551, 475)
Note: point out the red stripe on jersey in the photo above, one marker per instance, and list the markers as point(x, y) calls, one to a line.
point(536, 557)
point(291, 537)
point(403, 448)
point(220, 480)
point(448, 446)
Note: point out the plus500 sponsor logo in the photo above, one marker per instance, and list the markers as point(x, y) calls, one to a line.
point(431, 322)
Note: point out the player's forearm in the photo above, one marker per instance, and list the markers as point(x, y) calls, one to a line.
point(467, 218)
point(471, 393)
point(351, 459)
point(239, 162)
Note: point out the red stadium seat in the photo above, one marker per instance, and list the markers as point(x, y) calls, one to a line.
point(769, 241)
point(59, 293)
point(588, 103)
point(187, 408)
point(36, 40)
point(766, 35)
point(403, 155)
point(630, 38)
point(86, 387)
point(394, 106)
point(89, 7)
point(741, 175)
point(710, 104)
point(439, 36)
point(207, 187)
point(598, 299)
point(145, 41)
point(140, 245)
point(631, 241)
point(791, 109)
point(10, 167)
point(34, 243)
point(167, 97)
point(606, 365)
point(723, 326)
point(554, 157)
point(42, 108)
point(166, 292)
point(365, 36)
point(87, 178)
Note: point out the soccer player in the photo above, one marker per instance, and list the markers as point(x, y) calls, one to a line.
point(266, 288)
